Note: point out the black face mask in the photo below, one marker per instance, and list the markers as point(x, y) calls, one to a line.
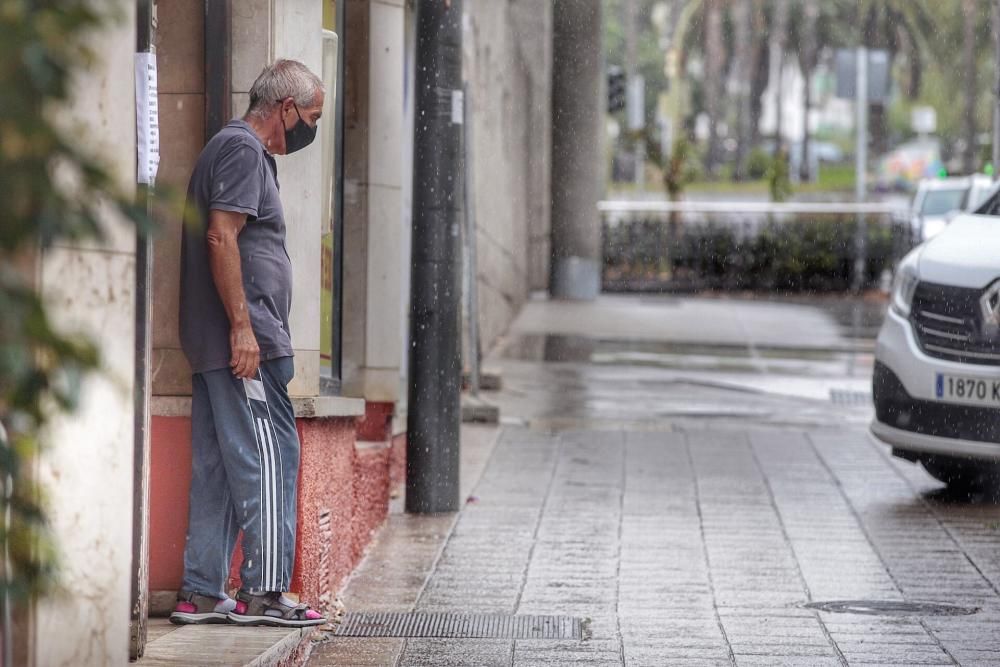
point(300, 135)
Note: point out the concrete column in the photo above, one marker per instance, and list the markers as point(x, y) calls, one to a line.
point(374, 234)
point(262, 30)
point(86, 471)
point(180, 54)
point(297, 33)
point(577, 155)
point(507, 59)
point(531, 32)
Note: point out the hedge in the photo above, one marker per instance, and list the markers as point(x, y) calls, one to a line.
point(800, 255)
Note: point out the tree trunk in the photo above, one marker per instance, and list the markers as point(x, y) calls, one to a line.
point(808, 62)
point(805, 170)
point(630, 25)
point(969, 16)
point(875, 27)
point(878, 126)
point(760, 66)
point(715, 59)
point(742, 19)
point(778, 38)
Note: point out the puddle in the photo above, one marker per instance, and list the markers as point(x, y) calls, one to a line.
point(738, 359)
point(891, 608)
point(562, 348)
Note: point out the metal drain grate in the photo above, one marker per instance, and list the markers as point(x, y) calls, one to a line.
point(460, 626)
point(891, 608)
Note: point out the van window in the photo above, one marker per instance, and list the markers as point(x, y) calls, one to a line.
point(940, 202)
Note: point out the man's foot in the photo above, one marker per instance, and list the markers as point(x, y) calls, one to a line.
point(272, 609)
point(195, 609)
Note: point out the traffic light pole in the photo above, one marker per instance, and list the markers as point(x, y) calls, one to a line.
point(434, 413)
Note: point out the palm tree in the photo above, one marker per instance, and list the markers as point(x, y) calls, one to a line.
point(779, 38)
point(630, 25)
point(742, 17)
point(760, 67)
point(815, 26)
point(808, 54)
point(898, 27)
point(748, 59)
point(715, 56)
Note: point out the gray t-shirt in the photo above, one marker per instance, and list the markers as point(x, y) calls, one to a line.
point(235, 173)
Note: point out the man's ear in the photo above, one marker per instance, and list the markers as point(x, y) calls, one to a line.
point(283, 108)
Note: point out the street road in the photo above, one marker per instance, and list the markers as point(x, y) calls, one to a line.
point(689, 499)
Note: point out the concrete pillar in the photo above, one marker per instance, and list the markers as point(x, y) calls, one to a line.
point(180, 54)
point(262, 30)
point(297, 34)
point(507, 58)
point(577, 154)
point(374, 234)
point(86, 471)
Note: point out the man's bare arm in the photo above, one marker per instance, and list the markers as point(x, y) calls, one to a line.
point(224, 259)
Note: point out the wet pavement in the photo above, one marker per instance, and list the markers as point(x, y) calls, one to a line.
point(689, 497)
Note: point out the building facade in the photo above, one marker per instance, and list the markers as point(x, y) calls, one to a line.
point(119, 469)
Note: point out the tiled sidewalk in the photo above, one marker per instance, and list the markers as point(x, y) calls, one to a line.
point(691, 547)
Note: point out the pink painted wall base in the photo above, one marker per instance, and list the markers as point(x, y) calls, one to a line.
point(344, 490)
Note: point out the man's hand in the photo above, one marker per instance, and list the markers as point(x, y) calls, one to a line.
point(246, 354)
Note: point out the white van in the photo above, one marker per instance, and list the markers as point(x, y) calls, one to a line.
point(936, 385)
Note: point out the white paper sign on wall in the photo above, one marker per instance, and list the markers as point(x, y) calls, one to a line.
point(146, 118)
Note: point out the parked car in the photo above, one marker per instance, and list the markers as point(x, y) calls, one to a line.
point(935, 201)
point(981, 186)
point(936, 384)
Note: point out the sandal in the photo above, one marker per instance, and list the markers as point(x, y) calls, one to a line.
point(272, 609)
point(196, 609)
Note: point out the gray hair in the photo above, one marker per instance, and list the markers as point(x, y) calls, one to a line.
point(280, 80)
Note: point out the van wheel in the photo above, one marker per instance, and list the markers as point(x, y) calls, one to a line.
point(962, 473)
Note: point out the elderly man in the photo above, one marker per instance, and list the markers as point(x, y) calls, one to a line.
point(236, 288)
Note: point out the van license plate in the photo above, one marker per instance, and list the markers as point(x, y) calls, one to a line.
point(975, 391)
